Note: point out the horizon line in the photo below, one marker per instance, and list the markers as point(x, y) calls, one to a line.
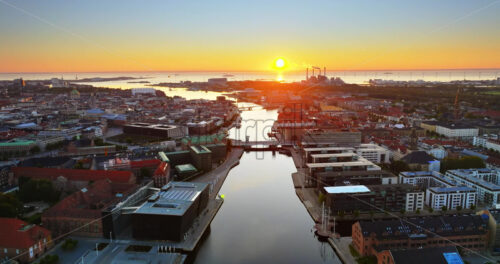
point(257, 71)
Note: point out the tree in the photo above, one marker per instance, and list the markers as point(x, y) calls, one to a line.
point(144, 173)
point(341, 214)
point(402, 211)
point(69, 244)
point(10, 206)
point(38, 190)
point(396, 166)
point(431, 209)
point(356, 213)
point(321, 198)
point(50, 259)
point(459, 208)
point(418, 211)
point(443, 208)
point(467, 162)
point(35, 150)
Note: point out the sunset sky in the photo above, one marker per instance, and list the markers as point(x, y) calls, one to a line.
point(87, 35)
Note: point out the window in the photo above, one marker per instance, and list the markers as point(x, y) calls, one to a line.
point(17, 251)
point(5, 250)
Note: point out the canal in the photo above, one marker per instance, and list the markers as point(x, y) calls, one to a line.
point(262, 220)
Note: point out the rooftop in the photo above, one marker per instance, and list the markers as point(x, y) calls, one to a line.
point(347, 189)
point(200, 149)
point(19, 234)
point(419, 157)
point(173, 199)
point(452, 189)
point(328, 149)
point(185, 168)
point(425, 226)
point(17, 143)
point(437, 255)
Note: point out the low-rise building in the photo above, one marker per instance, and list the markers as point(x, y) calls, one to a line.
point(461, 131)
point(156, 130)
point(374, 153)
point(468, 231)
point(81, 212)
point(371, 177)
point(421, 161)
point(21, 241)
point(488, 192)
point(70, 179)
point(17, 148)
point(450, 197)
point(425, 179)
point(440, 255)
point(168, 214)
point(391, 197)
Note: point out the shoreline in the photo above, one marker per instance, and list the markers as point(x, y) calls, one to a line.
point(306, 194)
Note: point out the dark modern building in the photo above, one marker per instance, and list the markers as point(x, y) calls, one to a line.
point(155, 130)
point(390, 197)
point(341, 178)
point(202, 157)
point(168, 214)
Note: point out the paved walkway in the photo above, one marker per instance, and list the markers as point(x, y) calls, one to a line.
point(341, 246)
point(217, 176)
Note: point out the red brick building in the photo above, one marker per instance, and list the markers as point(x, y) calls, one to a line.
point(70, 179)
point(161, 176)
point(23, 241)
point(80, 211)
point(469, 231)
point(434, 255)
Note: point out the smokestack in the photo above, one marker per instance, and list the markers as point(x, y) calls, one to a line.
point(313, 71)
point(324, 71)
point(307, 74)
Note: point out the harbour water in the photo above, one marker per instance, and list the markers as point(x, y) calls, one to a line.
point(262, 220)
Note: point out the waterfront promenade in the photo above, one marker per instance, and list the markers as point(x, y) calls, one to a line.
point(309, 198)
point(217, 176)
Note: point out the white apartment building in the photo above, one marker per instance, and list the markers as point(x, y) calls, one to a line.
point(425, 179)
point(484, 181)
point(457, 131)
point(451, 197)
point(414, 201)
point(374, 153)
point(488, 143)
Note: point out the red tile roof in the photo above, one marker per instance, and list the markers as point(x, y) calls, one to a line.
point(18, 234)
point(89, 203)
point(73, 175)
point(145, 163)
point(162, 169)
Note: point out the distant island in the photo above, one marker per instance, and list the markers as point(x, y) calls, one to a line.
point(101, 79)
point(138, 82)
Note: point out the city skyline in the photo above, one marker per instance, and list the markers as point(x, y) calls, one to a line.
point(104, 37)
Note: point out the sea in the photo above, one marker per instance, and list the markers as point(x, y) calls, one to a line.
point(354, 77)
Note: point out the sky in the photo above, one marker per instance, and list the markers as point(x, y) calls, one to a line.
point(204, 35)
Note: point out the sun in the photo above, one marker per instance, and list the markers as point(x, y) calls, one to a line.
point(279, 63)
